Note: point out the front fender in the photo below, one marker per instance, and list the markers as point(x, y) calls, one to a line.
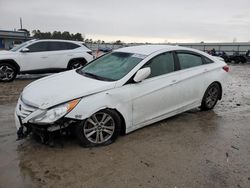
point(112, 99)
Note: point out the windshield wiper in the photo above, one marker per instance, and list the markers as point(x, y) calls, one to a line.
point(94, 76)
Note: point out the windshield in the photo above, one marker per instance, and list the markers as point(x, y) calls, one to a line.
point(20, 46)
point(112, 67)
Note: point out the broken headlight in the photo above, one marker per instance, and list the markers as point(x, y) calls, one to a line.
point(55, 113)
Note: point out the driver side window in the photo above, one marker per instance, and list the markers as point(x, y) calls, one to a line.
point(161, 64)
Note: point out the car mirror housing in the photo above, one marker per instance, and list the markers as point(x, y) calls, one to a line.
point(25, 50)
point(142, 74)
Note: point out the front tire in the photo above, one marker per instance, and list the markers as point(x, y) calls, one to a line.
point(8, 72)
point(102, 128)
point(211, 97)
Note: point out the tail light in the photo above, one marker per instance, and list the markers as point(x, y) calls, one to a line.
point(226, 68)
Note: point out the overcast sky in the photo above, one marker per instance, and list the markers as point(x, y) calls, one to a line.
point(134, 20)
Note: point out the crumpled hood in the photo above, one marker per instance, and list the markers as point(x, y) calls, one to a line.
point(59, 88)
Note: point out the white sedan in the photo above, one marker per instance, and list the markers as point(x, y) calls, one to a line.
point(120, 92)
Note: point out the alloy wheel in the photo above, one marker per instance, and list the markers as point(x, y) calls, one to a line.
point(212, 96)
point(6, 73)
point(99, 128)
point(76, 65)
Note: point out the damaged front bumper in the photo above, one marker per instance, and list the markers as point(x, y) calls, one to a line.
point(25, 113)
point(45, 132)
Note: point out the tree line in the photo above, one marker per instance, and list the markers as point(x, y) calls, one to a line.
point(57, 35)
point(65, 35)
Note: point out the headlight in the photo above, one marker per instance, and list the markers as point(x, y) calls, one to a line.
point(55, 113)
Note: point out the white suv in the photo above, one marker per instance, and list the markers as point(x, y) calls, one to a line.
point(43, 56)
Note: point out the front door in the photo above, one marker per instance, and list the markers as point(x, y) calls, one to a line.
point(156, 95)
point(36, 58)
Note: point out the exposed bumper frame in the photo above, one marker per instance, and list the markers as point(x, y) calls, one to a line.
point(45, 132)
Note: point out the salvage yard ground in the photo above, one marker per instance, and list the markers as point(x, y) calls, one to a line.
point(193, 149)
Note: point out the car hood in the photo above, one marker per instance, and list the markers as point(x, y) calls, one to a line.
point(5, 52)
point(59, 88)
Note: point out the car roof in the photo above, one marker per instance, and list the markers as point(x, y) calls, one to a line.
point(60, 40)
point(81, 43)
point(147, 49)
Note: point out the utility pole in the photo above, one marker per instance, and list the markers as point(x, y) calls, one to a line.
point(21, 23)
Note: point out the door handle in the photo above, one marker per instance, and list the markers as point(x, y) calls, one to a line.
point(173, 81)
point(44, 57)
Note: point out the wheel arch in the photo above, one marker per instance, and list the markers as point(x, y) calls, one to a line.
point(12, 62)
point(123, 122)
point(76, 58)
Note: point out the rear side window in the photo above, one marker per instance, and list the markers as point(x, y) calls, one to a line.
point(38, 47)
point(57, 46)
point(84, 45)
point(207, 60)
point(188, 60)
point(161, 64)
point(71, 46)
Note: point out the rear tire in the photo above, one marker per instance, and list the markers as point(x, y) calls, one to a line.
point(243, 60)
point(102, 128)
point(237, 60)
point(76, 64)
point(211, 97)
point(8, 72)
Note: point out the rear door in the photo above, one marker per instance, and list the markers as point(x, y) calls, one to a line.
point(191, 78)
point(60, 53)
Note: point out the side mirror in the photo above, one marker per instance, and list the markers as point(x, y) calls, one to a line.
point(142, 74)
point(25, 50)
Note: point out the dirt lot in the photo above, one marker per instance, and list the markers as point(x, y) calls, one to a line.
point(194, 149)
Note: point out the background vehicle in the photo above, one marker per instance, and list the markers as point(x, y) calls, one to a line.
point(105, 49)
point(237, 58)
point(223, 55)
point(122, 91)
point(43, 56)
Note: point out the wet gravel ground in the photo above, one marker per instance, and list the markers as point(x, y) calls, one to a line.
point(193, 149)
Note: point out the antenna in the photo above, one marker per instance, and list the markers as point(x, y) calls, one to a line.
point(21, 23)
